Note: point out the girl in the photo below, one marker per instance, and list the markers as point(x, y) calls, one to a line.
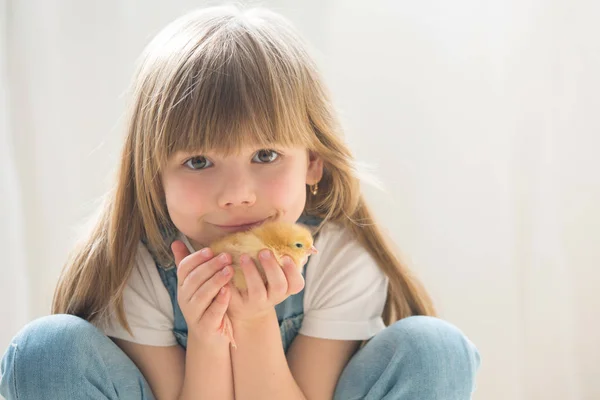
point(231, 126)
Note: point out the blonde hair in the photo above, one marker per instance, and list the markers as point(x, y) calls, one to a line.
point(220, 78)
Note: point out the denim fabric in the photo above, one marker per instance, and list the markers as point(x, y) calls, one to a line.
point(290, 312)
point(65, 357)
point(419, 357)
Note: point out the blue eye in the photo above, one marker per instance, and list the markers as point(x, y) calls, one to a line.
point(265, 156)
point(197, 163)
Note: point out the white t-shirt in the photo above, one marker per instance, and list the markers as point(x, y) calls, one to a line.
point(344, 294)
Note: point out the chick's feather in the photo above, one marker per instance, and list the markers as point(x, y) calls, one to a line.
point(282, 238)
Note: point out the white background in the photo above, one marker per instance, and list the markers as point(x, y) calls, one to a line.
point(480, 116)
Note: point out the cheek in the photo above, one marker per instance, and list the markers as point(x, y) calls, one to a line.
point(182, 195)
point(285, 191)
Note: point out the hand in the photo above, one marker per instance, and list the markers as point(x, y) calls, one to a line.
point(255, 302)
point(202, 293)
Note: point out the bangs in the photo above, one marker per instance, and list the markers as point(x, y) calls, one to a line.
point(235, 88)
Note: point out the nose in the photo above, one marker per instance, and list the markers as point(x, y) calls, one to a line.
point(237, 191)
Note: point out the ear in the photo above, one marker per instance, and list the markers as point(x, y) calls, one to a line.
point(314, 172)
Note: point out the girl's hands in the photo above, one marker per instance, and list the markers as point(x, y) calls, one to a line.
point(260, 298)
point(202, 293)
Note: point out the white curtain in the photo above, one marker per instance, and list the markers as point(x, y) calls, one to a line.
point(14, 286)
point(480, 116)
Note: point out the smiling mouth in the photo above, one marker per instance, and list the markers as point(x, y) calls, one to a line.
point(240, 227)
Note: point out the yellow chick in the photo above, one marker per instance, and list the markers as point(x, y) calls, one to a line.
point(282, 238)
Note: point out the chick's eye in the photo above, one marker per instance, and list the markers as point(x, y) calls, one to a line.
point(265, 156)
point(198, 162)
point(299, 245)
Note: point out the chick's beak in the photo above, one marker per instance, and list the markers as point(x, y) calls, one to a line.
point(313, 250)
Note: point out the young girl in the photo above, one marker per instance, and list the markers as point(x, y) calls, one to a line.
point(231, 126)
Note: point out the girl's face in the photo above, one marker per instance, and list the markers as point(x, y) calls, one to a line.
point(209, 195)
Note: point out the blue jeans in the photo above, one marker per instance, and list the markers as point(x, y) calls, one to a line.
point(65, 357)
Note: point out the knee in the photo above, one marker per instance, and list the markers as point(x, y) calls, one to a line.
point(59, 332)
point(434, 345)
point(51, 338)
point(45, 350)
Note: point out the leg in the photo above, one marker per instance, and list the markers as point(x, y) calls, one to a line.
point(66, 357)
point(415, 358)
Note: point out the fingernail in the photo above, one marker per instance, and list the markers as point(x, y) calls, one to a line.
point(223, 258)
point(205, 252)
point(265, 254)
point(225, 271)
point(287, 261)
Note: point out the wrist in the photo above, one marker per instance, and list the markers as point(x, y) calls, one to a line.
point(213, 344)
point(257, 320)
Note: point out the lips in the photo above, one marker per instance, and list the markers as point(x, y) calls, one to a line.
point(238, 226)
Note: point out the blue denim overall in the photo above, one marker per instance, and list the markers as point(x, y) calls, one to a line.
point(290, 312)
point(66, 357)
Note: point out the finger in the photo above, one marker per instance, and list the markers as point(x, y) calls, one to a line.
point(254, 282)
point(236, 293)
point(277, 284)
point(204, 295)
point(294, 277)
point(192, 276)
point(185, 261)
point(197, 276)
point(216, 310)
point(180, 251)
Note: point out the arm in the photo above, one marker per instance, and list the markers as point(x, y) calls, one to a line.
point(259, 365)
point(173, 373)
point(261, 370)
point(208, 373)
point(330, 355)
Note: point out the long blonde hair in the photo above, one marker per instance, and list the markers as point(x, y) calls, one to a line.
point(220, 78)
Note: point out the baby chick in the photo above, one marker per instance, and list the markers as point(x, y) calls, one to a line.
point(282, 238)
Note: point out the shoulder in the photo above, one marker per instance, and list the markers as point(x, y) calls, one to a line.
point(145, 270)
point(337, 244)
point(335, 229)
point(345, 289)
point(145, 277)
point(341, 260)
point(147, 305)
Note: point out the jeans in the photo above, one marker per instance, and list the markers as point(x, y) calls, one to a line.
point(65, 357)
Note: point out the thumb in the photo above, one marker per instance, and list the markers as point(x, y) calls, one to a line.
point(180, 251)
